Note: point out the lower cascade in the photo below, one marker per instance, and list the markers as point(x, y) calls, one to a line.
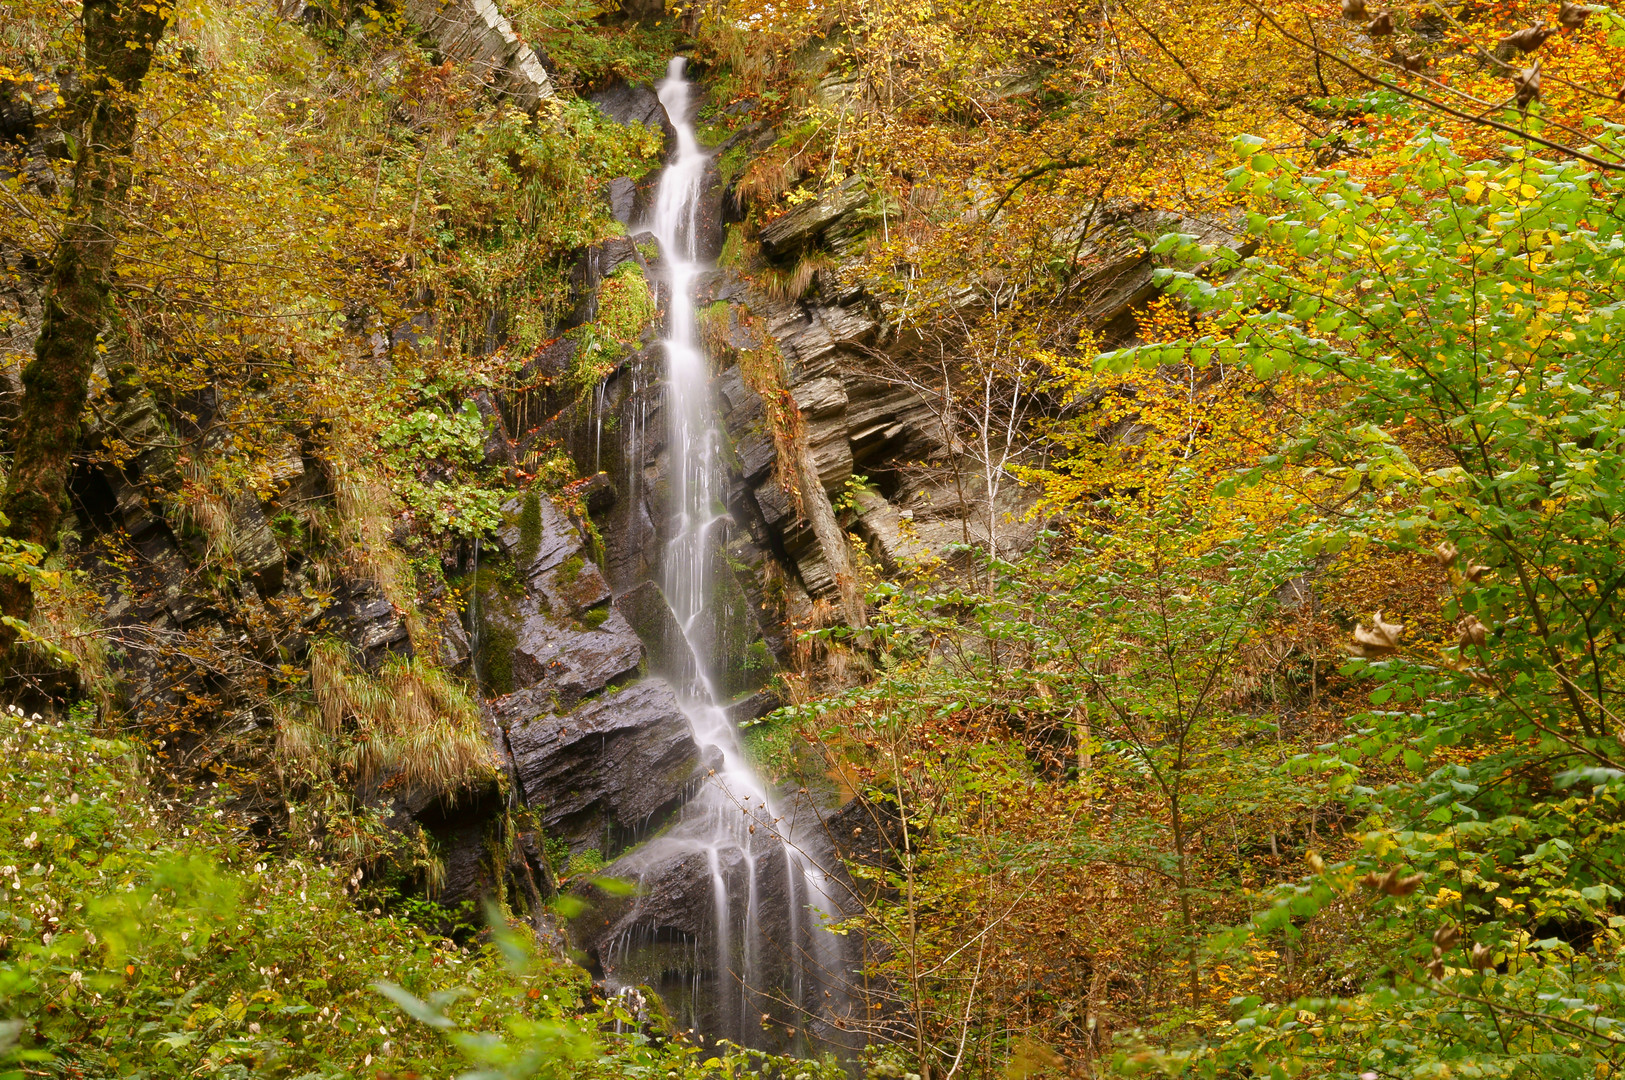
point(730, 922)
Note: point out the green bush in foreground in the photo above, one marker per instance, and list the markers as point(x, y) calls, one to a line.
point(138, 939)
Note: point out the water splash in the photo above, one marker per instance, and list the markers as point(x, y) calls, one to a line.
point(733, 825)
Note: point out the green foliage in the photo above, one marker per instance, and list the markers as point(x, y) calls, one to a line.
point(138, 940)
point(625, 308)
point(852, 491)
point(1466, 313)
point(437, 436)
point(585, 862)
point(141, 941)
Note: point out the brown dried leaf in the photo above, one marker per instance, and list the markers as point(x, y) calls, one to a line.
point(1472, 632)
point(1382, 638)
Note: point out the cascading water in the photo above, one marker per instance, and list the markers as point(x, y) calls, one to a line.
point(769, 950)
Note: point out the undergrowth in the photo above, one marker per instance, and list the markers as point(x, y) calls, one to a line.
point(141, 937)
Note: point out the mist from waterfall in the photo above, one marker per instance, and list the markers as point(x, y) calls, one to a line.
point(732, 822)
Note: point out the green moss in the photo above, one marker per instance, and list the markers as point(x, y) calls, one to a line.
point(588, 862)
point(595, 617)
point(530, 530)
point(732, 163)
point(497, 644)
point(571, 570)
point(495, 587)
point(595, 540)
point(625, 303)
point(733, 247)
point(757, 657)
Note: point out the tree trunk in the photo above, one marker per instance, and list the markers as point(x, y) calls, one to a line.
point(1187, 916)
point(120, 36)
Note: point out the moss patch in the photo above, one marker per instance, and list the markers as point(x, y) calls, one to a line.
point(530, 530)
point(497, 644)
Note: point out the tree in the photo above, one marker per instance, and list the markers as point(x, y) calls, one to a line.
point(119, 39)
point(1467, 315)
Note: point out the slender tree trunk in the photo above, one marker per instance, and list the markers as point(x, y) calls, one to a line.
point(120, 36)
point(1186, 914)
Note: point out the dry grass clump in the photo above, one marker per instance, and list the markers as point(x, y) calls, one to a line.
point(203, 508)
point(410, 724)
point(366, 510)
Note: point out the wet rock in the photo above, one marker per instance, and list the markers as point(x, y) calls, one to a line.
point(572, 662)
point(610, 771)
point(867, 831)
point(645, 608)
point(555, 538)
point(754, 707)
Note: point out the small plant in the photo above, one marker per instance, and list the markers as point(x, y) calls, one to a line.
point(586, 862)
point(855, 487)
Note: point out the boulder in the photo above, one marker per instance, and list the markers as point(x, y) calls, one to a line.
point(607, 773)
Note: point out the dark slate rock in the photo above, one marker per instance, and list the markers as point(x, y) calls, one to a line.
point(628, 104)
point(645, 608)
point(623, 199)
point(803, 225)
point(746, 421)
point(573, 662)
point(610, 771)
point(254, 546)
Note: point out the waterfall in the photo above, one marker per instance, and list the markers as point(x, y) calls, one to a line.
point(769, 899)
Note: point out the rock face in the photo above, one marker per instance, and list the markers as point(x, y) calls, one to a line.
point(477, 34)
point(802, 226)
point(568, 635)
point(604, 775)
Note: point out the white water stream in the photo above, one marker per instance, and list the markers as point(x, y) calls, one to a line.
point(733, 822)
